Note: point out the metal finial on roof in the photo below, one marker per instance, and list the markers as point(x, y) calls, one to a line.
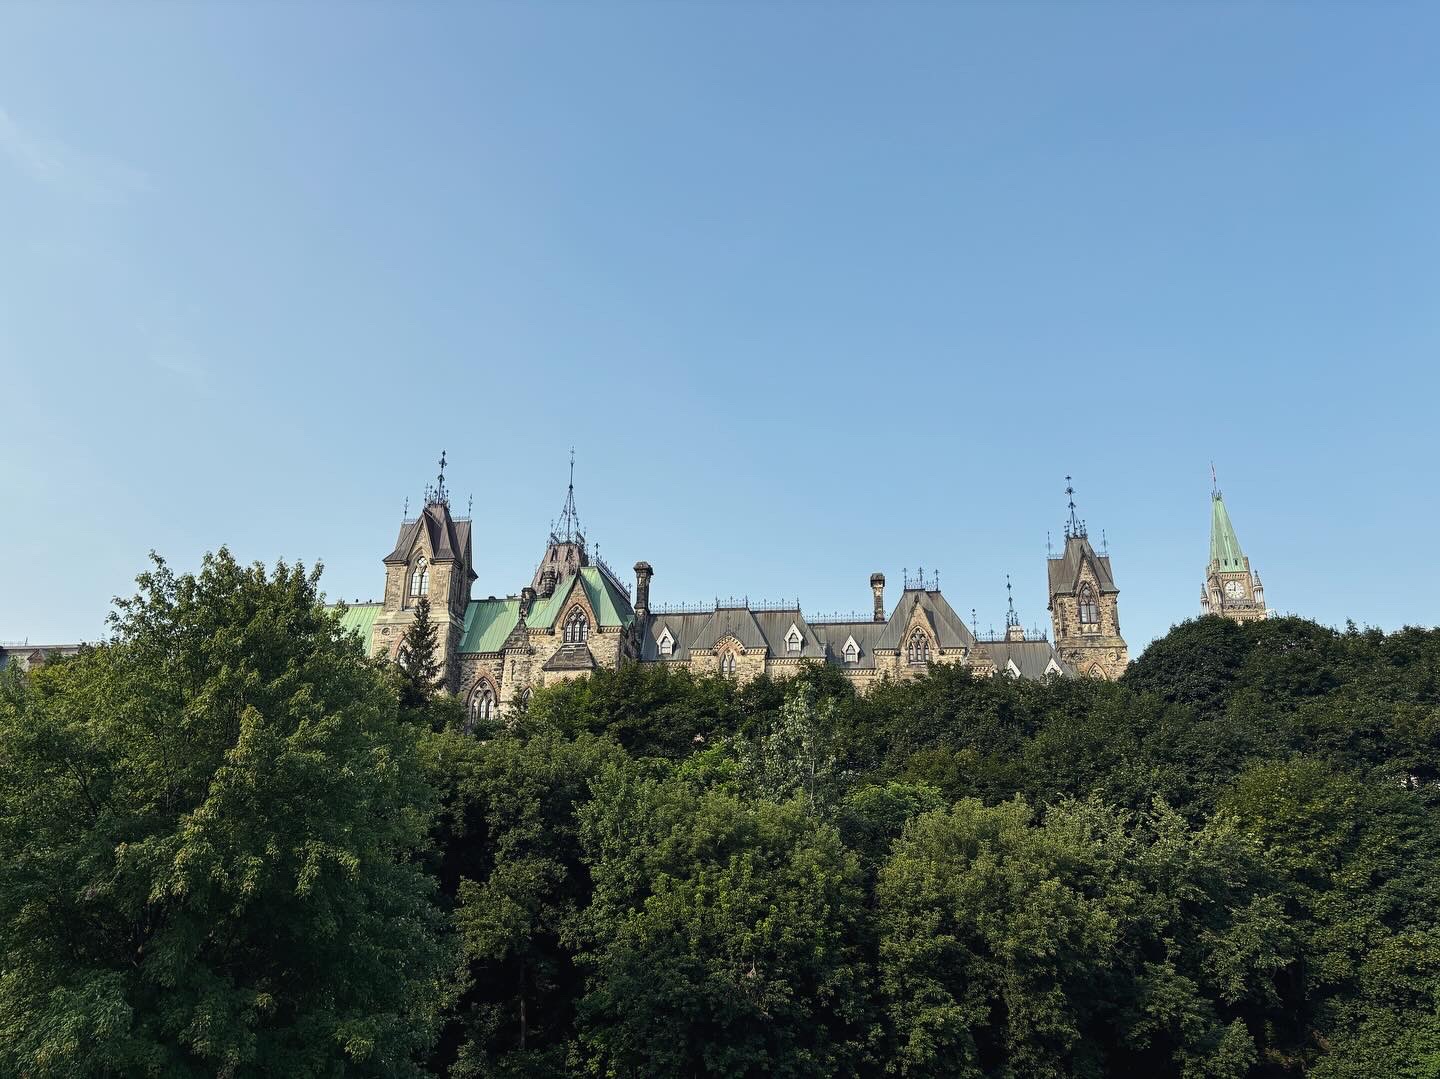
point(974, 624)
point(469, 504)
point(1049, 547)
point(1075, 526)
point(569, 526)
point(1104, 543)
point(405, 513)
point(439, 495)
point(1011, 618)
point(1214, 483)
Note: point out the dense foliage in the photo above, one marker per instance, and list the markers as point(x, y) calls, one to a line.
point(232, 844)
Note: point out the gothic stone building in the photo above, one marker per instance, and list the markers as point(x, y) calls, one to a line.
point(577, 616)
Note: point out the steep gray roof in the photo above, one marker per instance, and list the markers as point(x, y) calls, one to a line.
point(950, 629)
point(735, 622)
point(1031, 657)
point(776, 624)
point(833, 636)
point(570, 657)
point(449, 538)
point(1065, 570)
point(683, 629)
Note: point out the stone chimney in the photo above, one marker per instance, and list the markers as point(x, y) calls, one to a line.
point(643, 573)
point(527, 600)
point(548, 577)
point(877, 585)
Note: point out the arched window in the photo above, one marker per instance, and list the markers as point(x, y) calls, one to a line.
point(482, 703)
point(420, 577)
point(919, 650)
point(852, 651)
point(727, 664)
point(1089, 609)
point(577, 627)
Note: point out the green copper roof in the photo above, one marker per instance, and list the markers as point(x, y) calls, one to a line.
point(488, 622)
point(610, 604)
point(1224, 546)
point(359, 620)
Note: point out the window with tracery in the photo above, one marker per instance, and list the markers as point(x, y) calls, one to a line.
point(1089, 609)
point(727, 664)
point(852, 652)
point(482, 703)
point(420, 578)
point(919, 650)
point(577, 627)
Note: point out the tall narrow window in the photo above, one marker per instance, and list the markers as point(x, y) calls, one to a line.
point(667, 643)
point(420, 577)
point(1089, 609)
point(577, 627)
point(919, 651)
point(727, 664)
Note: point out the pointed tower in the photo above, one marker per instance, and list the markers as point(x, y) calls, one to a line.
point(1085, 604)
point(432, 558)
point(1232, 589)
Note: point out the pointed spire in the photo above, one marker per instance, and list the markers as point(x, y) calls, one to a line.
point(1224, 544)
point(1011, 618)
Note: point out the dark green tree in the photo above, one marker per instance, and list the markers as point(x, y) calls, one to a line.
point(512, 867)
point(206, 837)
point(419, 665)
point(723, 937)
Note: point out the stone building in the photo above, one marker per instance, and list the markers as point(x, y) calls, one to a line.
point(576, 615)
point(1085, 604)
point(1232, 589)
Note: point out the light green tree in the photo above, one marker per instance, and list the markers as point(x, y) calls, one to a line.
point(206, 838)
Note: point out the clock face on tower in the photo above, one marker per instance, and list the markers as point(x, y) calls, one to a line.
point(1234, 590)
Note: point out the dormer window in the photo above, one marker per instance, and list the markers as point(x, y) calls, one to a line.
point(666, 643)
point(852, 651)
point(420, 577)
point(577, 627)
point(918, 653)
point(1089, 609)
point(1012, 670)
point(793, 640)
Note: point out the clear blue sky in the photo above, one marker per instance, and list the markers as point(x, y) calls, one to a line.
point(814, 290)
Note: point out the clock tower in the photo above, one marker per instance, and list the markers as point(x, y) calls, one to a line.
point(1232, 589)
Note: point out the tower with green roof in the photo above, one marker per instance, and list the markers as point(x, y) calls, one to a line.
point(1232, 588)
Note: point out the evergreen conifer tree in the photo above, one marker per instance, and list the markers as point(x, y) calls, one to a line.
point(418, 662)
